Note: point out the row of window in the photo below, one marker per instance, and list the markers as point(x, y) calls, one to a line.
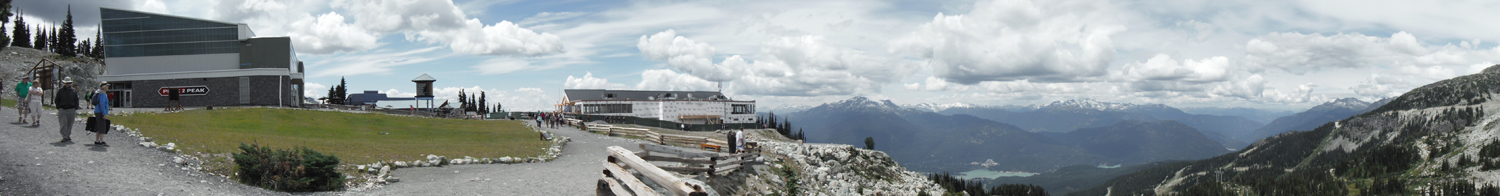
point(172, 49)
point(607, 108)
point(172, 36)
point(157, 23)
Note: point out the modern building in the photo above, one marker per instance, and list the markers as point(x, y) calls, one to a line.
point(684, 107)
point(212, 62)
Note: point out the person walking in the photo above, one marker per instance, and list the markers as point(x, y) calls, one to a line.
point(22, 88)
point(101, 127)
point(731, 142)
point(67, 109)
point(739, 139)
point(36, 96)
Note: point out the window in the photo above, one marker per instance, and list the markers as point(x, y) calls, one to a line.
point(607, 108)
point(742, 109)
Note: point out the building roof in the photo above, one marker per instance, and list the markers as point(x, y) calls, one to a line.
point(167, 15)
point(615, 95)
point(423, 78)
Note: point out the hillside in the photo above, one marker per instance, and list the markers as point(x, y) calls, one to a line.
point(1313, 117)
point(1069, 115)
point(931, 142)
point(1441, 137)
point(17, 60)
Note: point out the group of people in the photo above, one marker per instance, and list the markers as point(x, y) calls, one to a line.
point(736, 141)
point(551, 120)
point(29, 97)
point(29, 102)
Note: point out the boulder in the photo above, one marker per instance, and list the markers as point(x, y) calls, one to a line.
point(149, 144)
point(400, 164)
point(506, 160)
point(384, 170)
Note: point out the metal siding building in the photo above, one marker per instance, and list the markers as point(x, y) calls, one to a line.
point(687, 107)
point(146, 52)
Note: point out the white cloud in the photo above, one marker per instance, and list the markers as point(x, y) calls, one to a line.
point(153, 6)
point(684, 54)
point(668, 80)
point(314, 90)
point(790, 66)
point(501, 65)
point(1163, 67)
point(588, 81)
point(1302, 53)
point(503, 38)
point(375, 62)
point(328, 34)
point(440, 21)
point(1249, 88)
point(937, 84)
point(1046, 41)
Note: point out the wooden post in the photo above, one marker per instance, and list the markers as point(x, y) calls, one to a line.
point(661, 177)
point(630, 181)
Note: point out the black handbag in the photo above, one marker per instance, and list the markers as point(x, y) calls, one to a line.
point(89, 124)
point(95, 126)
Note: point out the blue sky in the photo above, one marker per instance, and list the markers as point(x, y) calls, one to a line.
point(1280, 55)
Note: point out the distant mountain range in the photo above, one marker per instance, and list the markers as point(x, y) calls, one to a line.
point(1257, 115)
point(1069, 115)
point(1438, 138)
point(923, 140)
point(1312, 118)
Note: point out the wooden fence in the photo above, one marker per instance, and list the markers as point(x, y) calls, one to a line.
point(618, 181)
point(654, 137)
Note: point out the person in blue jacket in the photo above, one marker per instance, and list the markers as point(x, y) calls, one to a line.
point(101, 110)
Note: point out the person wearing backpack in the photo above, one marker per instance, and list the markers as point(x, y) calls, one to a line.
point(67, 109)
point(101, 109)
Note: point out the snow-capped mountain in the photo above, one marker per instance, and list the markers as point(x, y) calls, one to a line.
point(934, 107)
point(786, 109)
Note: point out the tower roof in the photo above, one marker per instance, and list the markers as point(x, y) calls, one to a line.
point(423, 78)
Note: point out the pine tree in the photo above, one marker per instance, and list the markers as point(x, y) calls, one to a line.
point(82, 49)
point(343, 89)
point(41, 38)
point(66, 38)
point(98, 50)
point(21, 32)
point(55, 40)
point(331, 95)
point(482, 105)
point(463, 102)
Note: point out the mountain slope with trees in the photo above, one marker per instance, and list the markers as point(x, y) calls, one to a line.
point(1441, 137)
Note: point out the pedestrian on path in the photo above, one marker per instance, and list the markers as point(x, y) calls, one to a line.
point(100, 111)
point(67, 109)
point(37, 95)
point(22, 88)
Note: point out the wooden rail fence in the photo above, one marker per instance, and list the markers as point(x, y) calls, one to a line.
point(618, 180)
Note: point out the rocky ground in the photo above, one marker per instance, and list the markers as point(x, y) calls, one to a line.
point(15, 61)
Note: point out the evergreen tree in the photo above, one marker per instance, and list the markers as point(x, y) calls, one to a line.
point(82, 49)
point(98, 50)
point(21, 32)
point(483, 105)
point(343, 90)
point(66, 38)
point(331, 95)
point(41, 39)
point(54, 42)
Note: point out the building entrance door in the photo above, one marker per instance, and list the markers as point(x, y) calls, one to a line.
point(119, 98)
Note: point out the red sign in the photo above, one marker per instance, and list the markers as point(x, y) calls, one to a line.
point(183, 90)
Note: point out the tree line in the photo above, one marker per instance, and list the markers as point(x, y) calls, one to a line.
point(976, 187)
point(784, 127)
point(61, 39)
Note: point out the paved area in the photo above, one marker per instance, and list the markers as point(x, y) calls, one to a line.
point(572, 173)
point(33, 163)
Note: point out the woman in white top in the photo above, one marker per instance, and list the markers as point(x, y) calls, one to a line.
point(36, 103)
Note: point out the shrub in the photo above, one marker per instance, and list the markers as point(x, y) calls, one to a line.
point(295, 170)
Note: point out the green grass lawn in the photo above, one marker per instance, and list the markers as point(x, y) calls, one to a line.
point(354, 138)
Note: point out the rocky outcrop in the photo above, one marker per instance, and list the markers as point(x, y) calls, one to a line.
point(833, 169)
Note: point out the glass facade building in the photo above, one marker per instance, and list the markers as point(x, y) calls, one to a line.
point(135, 34)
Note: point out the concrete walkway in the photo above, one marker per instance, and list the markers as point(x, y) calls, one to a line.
point(572, 173)
point(33, 163)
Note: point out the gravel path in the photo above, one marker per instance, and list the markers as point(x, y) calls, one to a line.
point(32, 163)
point(572, 173)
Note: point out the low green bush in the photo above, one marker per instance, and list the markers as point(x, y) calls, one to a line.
point(294, 170)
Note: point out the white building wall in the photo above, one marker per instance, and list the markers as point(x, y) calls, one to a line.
point(672, 110)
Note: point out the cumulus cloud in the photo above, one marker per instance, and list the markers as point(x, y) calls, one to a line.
point(1249, 88)
point(588, 81)
point(440, 21)
point(1299, 53)
point(314, 90)
point(1163, 67)
point(328, 34)
point(681, 53)
point(789, 66)
point(668, 80)
point(1044, 41)
point(377, 62)
point(936, 84)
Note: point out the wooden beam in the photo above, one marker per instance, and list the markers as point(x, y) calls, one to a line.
point(734, 162)
point(685, 153)
point(735, 156)
point(689, 170)
point(635, 185)
point(613, 188)
point(678, 159)
point(726, 169)
point(661, 177)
